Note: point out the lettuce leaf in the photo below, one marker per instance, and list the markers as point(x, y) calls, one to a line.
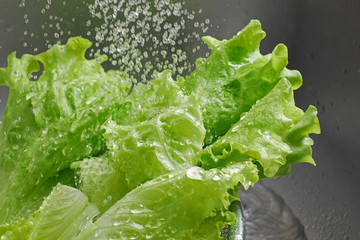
point(170, 141)
point(179, 205)
point(17, 230)
point(269, 133)
point(100, 181)
point(154, 97)
point(234, 77)
point(54, 121)
point(61, 216)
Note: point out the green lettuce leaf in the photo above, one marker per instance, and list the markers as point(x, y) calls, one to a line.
point(170, 141)
point(271, 132)
point(299, 141)
point(61, 216)
point(234, 77)
point(100, 181)
point(18, 230)
point(179, 205)
point(154, 97)
point(54, 121)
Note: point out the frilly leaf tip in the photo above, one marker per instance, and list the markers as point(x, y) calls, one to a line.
point(79, 43)
point(255, 22)
point(11, 56)
point(211, 42)
point(166, 74)
point(249, 37)
point(312, 110)
point(25, 65)
point(280, 51)
point(294, 77)
point(75, 47)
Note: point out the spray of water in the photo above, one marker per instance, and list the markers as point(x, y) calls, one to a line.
point(138, 36)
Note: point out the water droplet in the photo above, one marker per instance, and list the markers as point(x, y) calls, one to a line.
point(195, 173)
point(216, 177)
point(15, 147)
point(116, 223)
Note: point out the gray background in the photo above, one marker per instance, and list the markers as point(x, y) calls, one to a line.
point(323, 38)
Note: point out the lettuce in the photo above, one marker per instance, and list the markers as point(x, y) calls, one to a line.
point(235, 76)
point(86, 154)
point(100, 181)
point(52, 122)
point(168, 142)
point(266, 134)
point(178, 205)
point(61, 216)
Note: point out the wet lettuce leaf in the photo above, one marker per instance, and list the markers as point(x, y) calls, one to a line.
point(154, 97)
point(100, 181)
point(52, 122)
point(61, 216)
point(269, 133)
point(158, 160)
point(179, 205)
point(171, 141)
point(235, 76)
